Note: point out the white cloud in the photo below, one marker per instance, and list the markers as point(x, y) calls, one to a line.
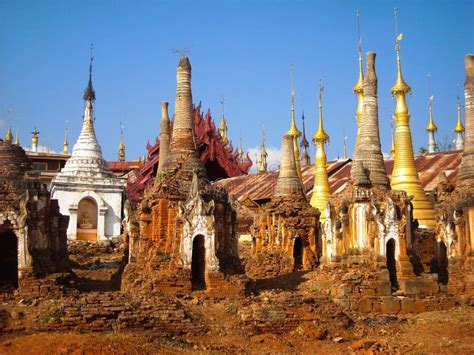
point(273, 159)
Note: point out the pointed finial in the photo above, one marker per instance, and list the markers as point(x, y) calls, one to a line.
point(65, 143)
point(400, 85)
point(293, 131)
point(431, 127)
point(359, 86)
point(223, 125)
point(17, 138)
point(121, 149)
point(89, 93)
point(459, 126)
point(241, 150)
point(320, 135)
point(262, 164)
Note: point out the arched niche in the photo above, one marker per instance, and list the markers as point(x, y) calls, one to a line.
point(198, 263)
point(87, 218)
point(8, 260)
point(298, 253)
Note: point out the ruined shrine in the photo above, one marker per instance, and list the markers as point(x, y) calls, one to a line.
point(284, 234)
point(182, 235)
point(455, 209)
point(368, 246)
point(33, 247)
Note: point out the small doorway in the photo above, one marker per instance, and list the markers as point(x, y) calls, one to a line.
point(8, 261)
point(298, 253)
point(391, 263)
point(198, 264)
point(443, 276)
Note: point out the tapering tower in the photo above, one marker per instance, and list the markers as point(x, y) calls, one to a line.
point(17, 138)
point(368, 148)
point(262, 164)
point(223, 126)
point(404, 175)
point(288, 183)
point(345, 147)
point(459, 130)
point(305, 159)
point(121, 148)
point(164, 137)
point(321, 191)
point(358, 88)
point(431, 128)
point(65, 143)
point(9, 136)
point(466, 169)
point(293, 132)
point(85, 188)
point(34, 140)
point(392, 146)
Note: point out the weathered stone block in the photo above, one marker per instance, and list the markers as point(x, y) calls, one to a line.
point(414, 287)
point(390, 305)
point(365, 305)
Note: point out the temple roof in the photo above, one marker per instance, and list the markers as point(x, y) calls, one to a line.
point(260, 187)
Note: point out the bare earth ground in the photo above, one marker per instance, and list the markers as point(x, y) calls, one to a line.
point(450, 331)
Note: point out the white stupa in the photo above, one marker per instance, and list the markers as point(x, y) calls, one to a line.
point(86, 189)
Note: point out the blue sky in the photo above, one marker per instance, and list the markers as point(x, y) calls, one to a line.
point(240, 50)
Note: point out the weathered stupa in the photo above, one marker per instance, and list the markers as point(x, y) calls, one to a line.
point(87, 191)
point(285, 230)
point(455, 208)
point(33, 241)
point(183, 233)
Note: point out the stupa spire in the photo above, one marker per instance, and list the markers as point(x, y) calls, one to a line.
point(164, 137)
point(223, 126)
point(9, 135)
point(459, 129)
point(89, 93)
point(431, 128)
point(321, 191)
point(404, 175)
point(392, 146)
point(368, 148)
point(293, 131)
point(305, 159)
point(345, 146)
point(65, 143)
point(262, 163)
point(466, 169)
point(121, 148)
point(17, 138)
point(358, 88)
point(288, 183)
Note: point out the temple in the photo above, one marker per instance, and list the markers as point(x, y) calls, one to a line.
point(85, 188)
point(182, 235)
point(33, 247)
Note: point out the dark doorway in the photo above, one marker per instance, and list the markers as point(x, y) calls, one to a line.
point(443, 276)
point(391, 263)
point(198, 264)
point(298, 253)
point(8, 261)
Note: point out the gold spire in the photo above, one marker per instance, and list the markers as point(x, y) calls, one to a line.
point(9, 135)
point(405, 176)
point(240, 150)
point(223, 126)
point(293, 132)
point(358, 88)
point(34, 140)
point(66, 143)
point(459, 126)
point(431, 127)
point(17, 138)
point(321, 191)
point(121, 149)
point(262, 164)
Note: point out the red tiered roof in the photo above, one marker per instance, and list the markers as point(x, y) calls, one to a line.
point(221, 160)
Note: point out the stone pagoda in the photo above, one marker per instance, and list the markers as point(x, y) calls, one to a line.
point(86, 189)
point(455, 208)
point(183, 233)
point(285, 230)
point(33, 245)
